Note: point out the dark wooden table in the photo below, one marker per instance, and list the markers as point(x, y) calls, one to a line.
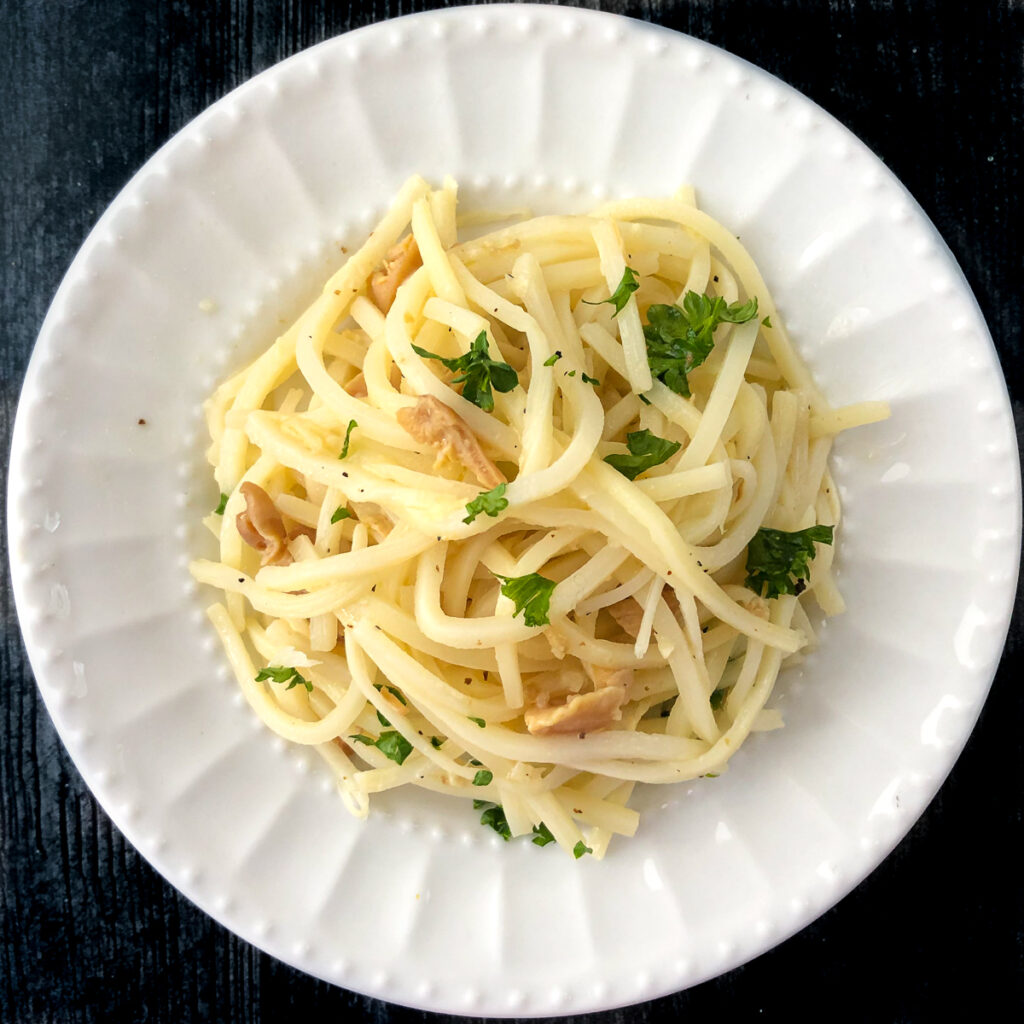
point(88, 90)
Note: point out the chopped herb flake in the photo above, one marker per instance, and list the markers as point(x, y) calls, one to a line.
point(581, 848)
point(679, 339)
point(552, 359)
point(340, 513)
point(477, 372)
point(718, 699)
point(488, 502)
point(284, 674)
point(542, 835)
point(221, 505)
point(531, 594)
point(397, 694)
point(777, 561)
point(620, 296)
point(767, 321)
point(436, 741)
point(645, 451)
point(479, 721)
point(590, 380)
point(394, 745)
point(483, 777)
point(495, 818)
point(348, 437)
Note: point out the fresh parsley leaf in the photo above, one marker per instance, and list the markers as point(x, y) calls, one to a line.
point(348, 437)
point(391, 744)
point(495, 818)
point(552, 359)
point(679, 339)
point(718, 699)
point(581, 848)
point(483, 777)
point(570, 373)
point(436, 741)
point(221, 505)
point(394, 745)
point(479, 805)
point(542, 835)
point(479, 721)
point(477, 372)
point(620, 296)
point(340, 513)
point(644, 399)
point(767, 321)
point(590, 380)
point(397, 694)
point(777, 560)
point(645, 450)
point(488, 502)
point(283, 674)
point(710, 775)
point(532, 596)
point(383, 721)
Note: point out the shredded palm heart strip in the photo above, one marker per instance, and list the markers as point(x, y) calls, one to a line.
point(351, 461)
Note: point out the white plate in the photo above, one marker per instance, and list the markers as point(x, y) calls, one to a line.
point(248, 207)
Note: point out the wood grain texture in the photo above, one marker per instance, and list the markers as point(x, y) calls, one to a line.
point(88, 90)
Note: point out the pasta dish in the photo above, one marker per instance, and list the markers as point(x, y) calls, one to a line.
point(525, 518)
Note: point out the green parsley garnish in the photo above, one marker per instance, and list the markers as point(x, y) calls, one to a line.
point(718, 699)
point(590, 380)
point(383, 721)
point(679, 339)
point(581, 848)
point(221, 505)
point(477, 372)
point(552, 359)
point(532, 596)
point(495, 817)
point(397, 694)
point(542, 835)
point(620, 296)
point(479, 721)
point(436, 742)
point(777, 560)
point(284, 674)
point(645, 450)
point(767, 321)
point(483, 777)
point(644, 399)
point(488, 502)
point(392, 745)
point(340, 513)
point(348, 436)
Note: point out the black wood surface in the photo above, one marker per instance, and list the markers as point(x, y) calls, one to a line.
point(88, 90)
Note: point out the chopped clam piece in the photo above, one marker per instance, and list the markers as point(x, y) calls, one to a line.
point(261, 526)
point(433, 423)
point(402, 259)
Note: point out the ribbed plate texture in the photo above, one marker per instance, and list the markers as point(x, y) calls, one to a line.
point(249, 207)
